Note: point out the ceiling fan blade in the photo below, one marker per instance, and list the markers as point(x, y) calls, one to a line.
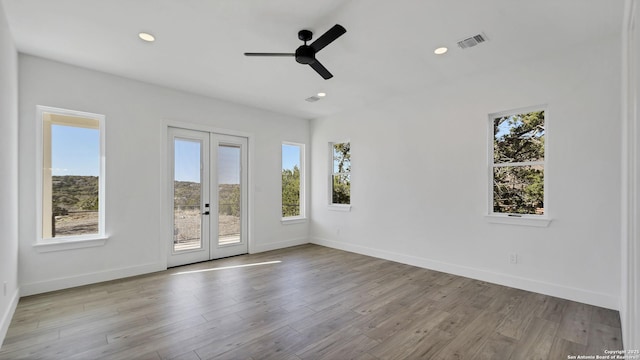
point(269, 54)
point(321, 70)
point(327, 38)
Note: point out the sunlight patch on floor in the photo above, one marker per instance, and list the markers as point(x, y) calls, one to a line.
point(227, 267)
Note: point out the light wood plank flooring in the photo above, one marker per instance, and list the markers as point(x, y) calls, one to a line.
point(305, 302)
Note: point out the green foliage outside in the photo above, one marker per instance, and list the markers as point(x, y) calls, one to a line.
point(291, 192)
point(229, 199)
point(90, 203)
point(186, 196)
point(341, 182)
point(518, 189)
point(74, 193)
point(341, 193)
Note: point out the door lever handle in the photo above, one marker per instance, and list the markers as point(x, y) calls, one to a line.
point(206, 212)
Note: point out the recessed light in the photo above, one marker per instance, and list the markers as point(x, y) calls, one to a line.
point(147, 37)
point(321, 94)
point(440, 50)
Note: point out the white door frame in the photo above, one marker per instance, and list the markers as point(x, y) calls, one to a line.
point(166, 224)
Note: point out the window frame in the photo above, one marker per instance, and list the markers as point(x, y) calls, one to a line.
point(43, 244)
point(334, 206)
point(542, 220)
point(302, 217)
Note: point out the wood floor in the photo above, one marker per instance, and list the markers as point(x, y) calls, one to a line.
point(305, 302)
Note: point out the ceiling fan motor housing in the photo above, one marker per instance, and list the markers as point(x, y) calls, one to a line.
point(305, 55)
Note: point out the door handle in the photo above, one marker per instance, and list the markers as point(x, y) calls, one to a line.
point(206, 212)
point(206, 209)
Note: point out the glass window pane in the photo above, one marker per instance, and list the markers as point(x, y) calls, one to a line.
point(75, 174)
point(340, 178)
point(187, 195)
point(229, 202)
point(341, 157)
point(291, 180)
point(518, 190)
point(341, 189)
point(518, 138)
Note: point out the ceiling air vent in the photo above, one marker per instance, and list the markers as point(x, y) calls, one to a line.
point(312, 98)
point(472, 41)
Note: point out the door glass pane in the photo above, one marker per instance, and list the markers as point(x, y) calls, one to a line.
point(229, 168)
point(187, 195)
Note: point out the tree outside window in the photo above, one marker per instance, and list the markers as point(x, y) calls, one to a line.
point(341, 173)
point(517, 166)
point(292, 180)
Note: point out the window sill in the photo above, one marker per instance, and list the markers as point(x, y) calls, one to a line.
point(293, 220)
point(69, 243)
point(537, 221)
point(339, 207)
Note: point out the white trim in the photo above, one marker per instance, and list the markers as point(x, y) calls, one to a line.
point(206, 128)
point(5, 321)
point(40, 110)
point(521, 110)
point(70, 243)
point(303, 187)
point(166, 202)
point(565, 292)
point(630, 193)
point(89, 278)
point(279, 245)
point(514, 219)
point(339, 207)
point(524, 163)
point(503, 218)
point(293, 220)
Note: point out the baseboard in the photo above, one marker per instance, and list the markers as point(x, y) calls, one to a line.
point(629, 307)
point(90, 278)
point(569, 293)
point(96, 277)
point(279, 245)
point(5, 321)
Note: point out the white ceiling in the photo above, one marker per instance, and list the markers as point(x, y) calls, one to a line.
point(387, 50)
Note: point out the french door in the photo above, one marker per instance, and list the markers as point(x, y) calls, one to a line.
point(208, 202)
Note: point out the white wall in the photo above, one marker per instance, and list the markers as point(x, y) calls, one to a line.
point(8, 176)
point(419, 177)
point(135, 113)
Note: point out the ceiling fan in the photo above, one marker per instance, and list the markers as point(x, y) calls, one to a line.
point(306, 54)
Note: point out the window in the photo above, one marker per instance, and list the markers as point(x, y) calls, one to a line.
point(72, 175)
point(292, 181)
point(340, 173)
point(517, 162)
